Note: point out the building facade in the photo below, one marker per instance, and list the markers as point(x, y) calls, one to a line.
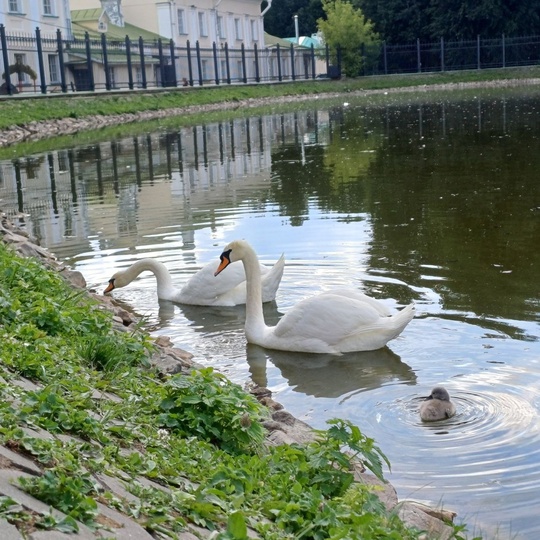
point(234, 22)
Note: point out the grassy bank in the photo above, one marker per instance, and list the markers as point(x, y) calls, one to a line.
point(198, 438)
point(22, 110)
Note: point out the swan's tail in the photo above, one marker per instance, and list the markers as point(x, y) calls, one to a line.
point(271, 280)
point(400, 320)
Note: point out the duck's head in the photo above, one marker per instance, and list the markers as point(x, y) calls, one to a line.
point(440, 393)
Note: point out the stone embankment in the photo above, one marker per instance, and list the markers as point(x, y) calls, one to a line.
point(68, 126)
point(283, 428)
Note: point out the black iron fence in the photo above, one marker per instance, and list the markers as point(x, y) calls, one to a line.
point(452, 55)
point(50, 63)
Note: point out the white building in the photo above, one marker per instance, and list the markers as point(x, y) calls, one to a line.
point(234, 22)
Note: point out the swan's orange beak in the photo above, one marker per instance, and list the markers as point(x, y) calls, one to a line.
point(224, 262)
point(110, 287)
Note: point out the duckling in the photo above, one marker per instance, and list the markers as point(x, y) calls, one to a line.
point(437, 406)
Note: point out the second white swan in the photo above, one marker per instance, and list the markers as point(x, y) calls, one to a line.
point(202, 289)
point(333, 322)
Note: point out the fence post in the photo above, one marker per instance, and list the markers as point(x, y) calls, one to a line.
point(199, 63)
point(105, 62)
point(5, 56)
point(63, 84)
point(327, 56)
point(42, 83)
point(129, 64)
point(292, 63)
point(143, 66)
point(89, 65)
point(312, 61)
point(418, 56)
point(173, 61)
point(503, 43)
point(280, 76)
point(190, 67)
point(385, 56)
point(478, 51)
point(244, 70)
point(214, 51)
point(161, 63)
point(442, 54)
point(257, 74)
point(227, 63)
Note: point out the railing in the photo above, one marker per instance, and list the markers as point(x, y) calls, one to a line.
point(97, 64)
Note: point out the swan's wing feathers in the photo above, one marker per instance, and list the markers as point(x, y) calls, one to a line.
point(271, 278)
point(328, 317)
point(349, 292)
point(206, 285)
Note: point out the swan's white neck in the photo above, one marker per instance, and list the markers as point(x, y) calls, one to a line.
point(163, 278)
point(255, 324)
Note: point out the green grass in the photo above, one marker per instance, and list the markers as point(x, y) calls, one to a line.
point(21, 110)
point(198, 435)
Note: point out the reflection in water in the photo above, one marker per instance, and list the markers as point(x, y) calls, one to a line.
point(431, 199)
point(207, 319)
point(330, 376)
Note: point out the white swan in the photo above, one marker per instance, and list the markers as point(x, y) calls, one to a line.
point(202, 289)
point(333, 322)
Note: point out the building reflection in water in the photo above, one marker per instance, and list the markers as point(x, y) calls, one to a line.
point(77, 192)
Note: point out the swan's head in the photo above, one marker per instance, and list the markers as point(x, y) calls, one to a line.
point(439, 392)
point(118, 280)
point(234, 251)
point(112, 284)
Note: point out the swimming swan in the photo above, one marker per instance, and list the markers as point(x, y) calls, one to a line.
point(202, 289)
point(333, 322)
point(437, 406)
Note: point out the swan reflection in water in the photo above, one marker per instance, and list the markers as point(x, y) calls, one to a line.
point(328, 375)
point(318, 375)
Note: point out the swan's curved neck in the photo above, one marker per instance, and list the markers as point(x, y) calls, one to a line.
point(254, 311)
point(163, 278)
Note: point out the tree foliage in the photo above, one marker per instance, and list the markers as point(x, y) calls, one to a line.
point(347, 28)
point(279, 20)
point(404, 21)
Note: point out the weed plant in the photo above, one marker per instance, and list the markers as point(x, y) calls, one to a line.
point(190, 448)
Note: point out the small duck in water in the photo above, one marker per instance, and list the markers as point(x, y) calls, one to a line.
point(437, 406)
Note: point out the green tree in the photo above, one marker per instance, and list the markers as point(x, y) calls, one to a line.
point(279, 20)
point(404, 21)
point(347, 28)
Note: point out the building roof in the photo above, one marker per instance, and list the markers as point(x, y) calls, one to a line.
point(272, 41)
point(306, 41)
point(86, 20)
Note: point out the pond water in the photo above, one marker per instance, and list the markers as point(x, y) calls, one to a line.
point(431, 198)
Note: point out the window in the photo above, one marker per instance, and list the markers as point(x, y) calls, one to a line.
point(54, 72)
point(203, 31)
point(15, 6)
point(182, 28)
point(21, 59)
point(223, 69)
point(138, 77)
point(48, 7)
point(204, 68)
point(238, 28)
point(254, 30)
point(220, 27)
point(112, 77)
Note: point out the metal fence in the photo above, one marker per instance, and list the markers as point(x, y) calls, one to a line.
point(444, 55)
point(50, 63)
